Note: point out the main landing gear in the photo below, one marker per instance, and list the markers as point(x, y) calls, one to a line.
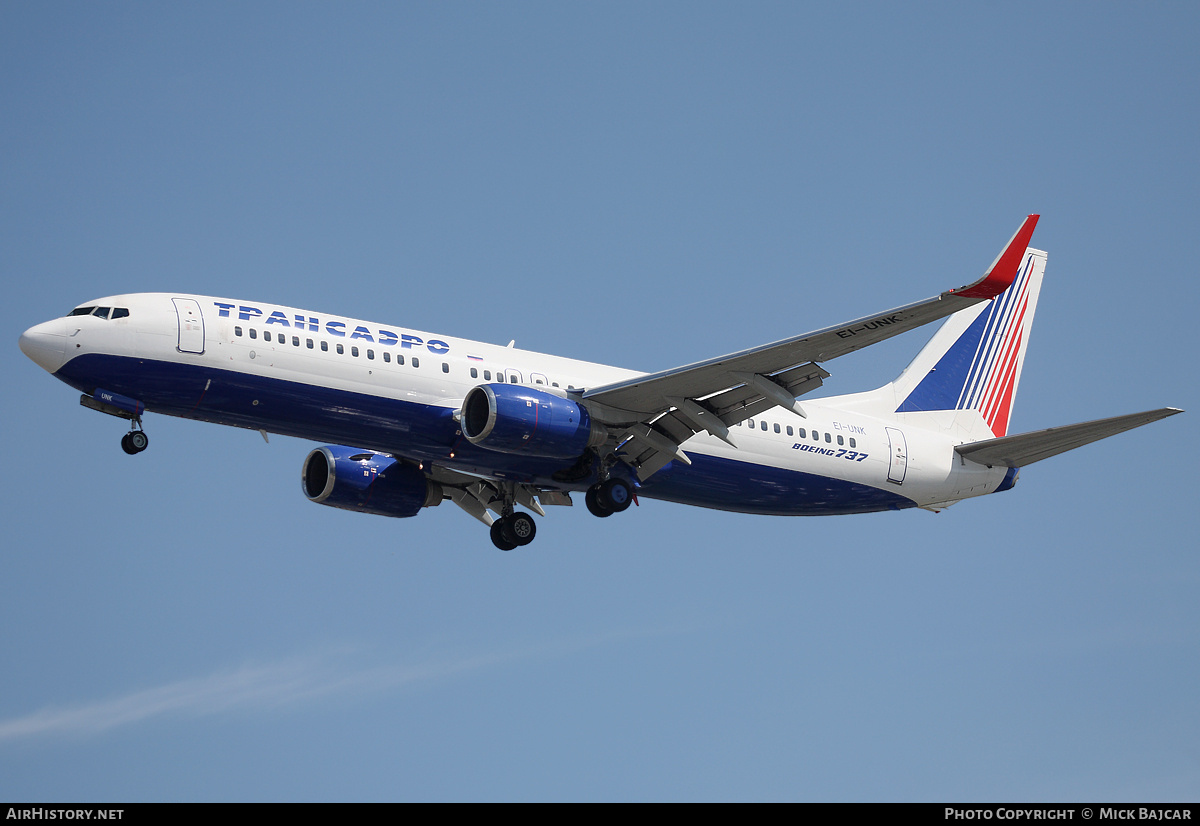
point(513, 530)
point(608, 497)
point(135, 441)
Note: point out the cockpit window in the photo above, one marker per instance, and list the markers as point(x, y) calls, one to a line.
point(101, 312)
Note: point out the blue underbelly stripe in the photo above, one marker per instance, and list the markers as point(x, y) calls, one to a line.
point(429, 433)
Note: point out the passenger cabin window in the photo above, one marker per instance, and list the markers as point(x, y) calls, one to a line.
point(237, 331)
point(416, 362)
point(371, 354)
point(445, 367)
point(852, 442)
point(341, 349)
point(308, 343)
point(763, 425)
point(840, 442)
point(295, 341)
point(324, 346)
point(827, 439)
point(789, 430)
point(399, 359)
point(474, 372)
point(387, 357)
point(777, 428)
point(354, 352)
point(487, 375)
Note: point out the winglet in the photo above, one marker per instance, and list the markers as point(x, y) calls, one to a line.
point(1003, 271)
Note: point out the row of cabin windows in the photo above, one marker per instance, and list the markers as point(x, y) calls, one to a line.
point(800, 431)
point(513, 377)
point(340, 348)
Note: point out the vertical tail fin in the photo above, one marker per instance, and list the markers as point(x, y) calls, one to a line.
point(973, 364)
point(965, 379)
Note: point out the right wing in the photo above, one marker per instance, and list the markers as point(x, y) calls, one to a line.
point(1027, 448)
point(662, 410)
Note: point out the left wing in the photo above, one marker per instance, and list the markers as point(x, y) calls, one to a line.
point(662, 410)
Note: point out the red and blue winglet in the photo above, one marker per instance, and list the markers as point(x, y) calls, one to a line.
point(1003, 271)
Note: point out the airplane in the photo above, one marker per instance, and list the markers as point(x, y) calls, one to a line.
point(414, 419)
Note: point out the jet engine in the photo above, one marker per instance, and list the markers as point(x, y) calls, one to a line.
point(510, 418)
point(366, 482)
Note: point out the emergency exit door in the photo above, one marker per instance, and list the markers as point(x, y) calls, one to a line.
point(898, 459)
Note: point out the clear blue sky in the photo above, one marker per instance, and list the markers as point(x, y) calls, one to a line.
point(643, 185)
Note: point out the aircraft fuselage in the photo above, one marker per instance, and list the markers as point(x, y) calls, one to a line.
point(396, 390)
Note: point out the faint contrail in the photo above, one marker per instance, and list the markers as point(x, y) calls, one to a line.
point(254, 686)
point(272, 685)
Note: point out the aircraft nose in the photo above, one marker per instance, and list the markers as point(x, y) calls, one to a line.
point(46, 344)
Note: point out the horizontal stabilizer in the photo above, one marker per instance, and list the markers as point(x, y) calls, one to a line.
point(1027, 448)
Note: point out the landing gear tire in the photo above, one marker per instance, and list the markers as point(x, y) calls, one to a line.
point(135, 441)
point(512, 531)
point(615, 494)
point(593, 503)
point(498, 539)
point(519, 528)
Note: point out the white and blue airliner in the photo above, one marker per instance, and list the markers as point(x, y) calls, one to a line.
point(414, 419)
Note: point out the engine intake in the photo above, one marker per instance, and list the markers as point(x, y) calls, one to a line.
point(510, 418)
point(366, 482)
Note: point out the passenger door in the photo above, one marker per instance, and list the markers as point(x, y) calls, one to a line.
point(191, 326)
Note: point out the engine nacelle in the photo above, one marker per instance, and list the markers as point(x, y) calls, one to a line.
point(366, 482)
point(513, 419)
